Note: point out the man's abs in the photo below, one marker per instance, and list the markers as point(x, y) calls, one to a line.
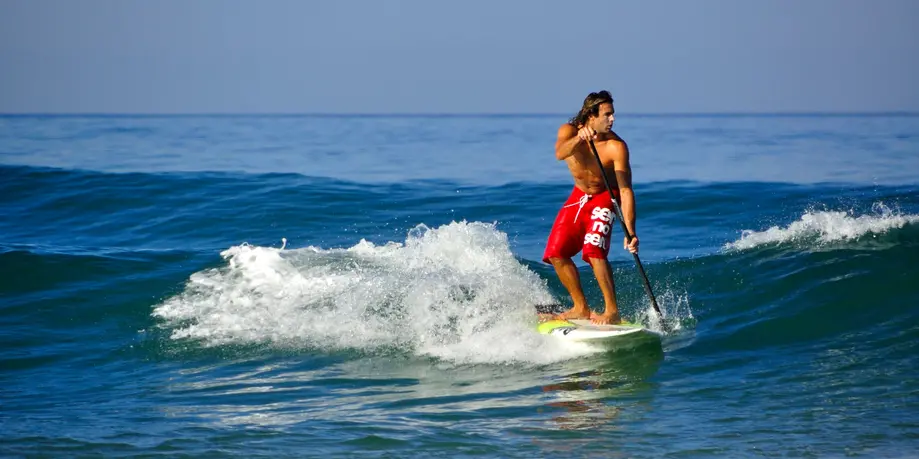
point(587, 175)
point(591, 184)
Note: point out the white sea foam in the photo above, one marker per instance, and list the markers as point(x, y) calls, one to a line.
point(454, 292)
point(675, 307)
point(827, 227)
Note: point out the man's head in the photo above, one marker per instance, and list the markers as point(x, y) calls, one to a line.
point(597, 112)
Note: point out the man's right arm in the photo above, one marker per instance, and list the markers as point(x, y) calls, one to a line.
point(567, 142)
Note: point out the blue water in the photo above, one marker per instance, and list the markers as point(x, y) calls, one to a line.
point(290, 286)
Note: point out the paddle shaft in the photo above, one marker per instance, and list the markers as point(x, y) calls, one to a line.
point(625, 229)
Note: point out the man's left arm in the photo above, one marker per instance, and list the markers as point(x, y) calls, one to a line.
point(623, 170)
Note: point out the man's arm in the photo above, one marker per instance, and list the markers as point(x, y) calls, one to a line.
point(623, 172)
point(567, 142)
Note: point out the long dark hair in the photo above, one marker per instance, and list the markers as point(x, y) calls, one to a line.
point(591, 107)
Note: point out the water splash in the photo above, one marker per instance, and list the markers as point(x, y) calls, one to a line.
point(676, 310)
point(455, 292)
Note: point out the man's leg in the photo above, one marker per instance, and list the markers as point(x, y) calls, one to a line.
point(604, 274)
point(568, 274)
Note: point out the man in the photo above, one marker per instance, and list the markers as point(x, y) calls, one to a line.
point(586, 219)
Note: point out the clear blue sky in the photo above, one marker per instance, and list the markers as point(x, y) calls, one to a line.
point(461, 56)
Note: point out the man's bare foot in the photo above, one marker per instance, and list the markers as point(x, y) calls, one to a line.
point(606, 319)
point(575, 313)
point(545, 317)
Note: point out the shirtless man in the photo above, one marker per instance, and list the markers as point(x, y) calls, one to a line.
point(585, 221)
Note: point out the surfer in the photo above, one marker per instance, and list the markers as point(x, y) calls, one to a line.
point(585, 220)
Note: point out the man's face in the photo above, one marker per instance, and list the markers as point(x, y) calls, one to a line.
point(603, 122)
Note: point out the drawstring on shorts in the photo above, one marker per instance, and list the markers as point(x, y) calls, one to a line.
point(581, 203)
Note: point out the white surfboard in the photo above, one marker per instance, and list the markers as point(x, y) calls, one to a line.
point(584, 331)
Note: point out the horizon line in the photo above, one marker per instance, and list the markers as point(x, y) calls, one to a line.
point(451, 114)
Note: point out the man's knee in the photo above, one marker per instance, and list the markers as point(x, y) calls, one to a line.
point(556, 261)
point(593, 260)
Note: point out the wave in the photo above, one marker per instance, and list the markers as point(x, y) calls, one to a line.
point(454, 292)
point(826, 227)
point(32, 271)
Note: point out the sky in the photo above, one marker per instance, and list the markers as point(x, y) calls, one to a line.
point(468, 56)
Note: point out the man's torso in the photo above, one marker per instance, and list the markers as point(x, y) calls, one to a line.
point(583, 164)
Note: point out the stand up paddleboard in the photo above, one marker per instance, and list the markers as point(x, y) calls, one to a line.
point(584, 331)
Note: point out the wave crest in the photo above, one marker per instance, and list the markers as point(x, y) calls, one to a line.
point(455, 292)
point(827, 227)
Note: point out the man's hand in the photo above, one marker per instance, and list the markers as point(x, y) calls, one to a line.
point(587, 133)
point(630, 246)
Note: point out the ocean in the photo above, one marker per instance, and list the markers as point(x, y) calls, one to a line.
point(363, 286)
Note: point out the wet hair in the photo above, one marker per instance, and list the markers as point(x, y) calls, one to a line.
point(591, 107)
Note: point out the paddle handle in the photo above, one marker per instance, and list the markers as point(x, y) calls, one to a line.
point(625, 229)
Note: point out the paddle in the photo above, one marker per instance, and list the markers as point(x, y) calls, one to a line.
point(625, 229)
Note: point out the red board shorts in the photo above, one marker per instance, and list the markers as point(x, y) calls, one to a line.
point(583, 225)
